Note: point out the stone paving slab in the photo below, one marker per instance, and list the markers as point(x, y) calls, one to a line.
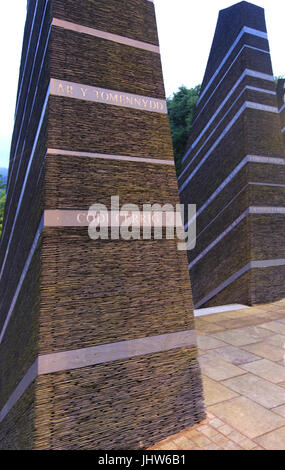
point(276, 326)
point(220, 317)
point(248, 417)
point(259, 390)
point(280, 410)
point(218, 369)
point(267, 370)
point(236, 355)
point(274, 440)
point(214, 392)
point(205, 328)
point(266, 351)
point(207, 342)
point(239, 323)
point(276, 340)
point(255, 331)
point(242, 336)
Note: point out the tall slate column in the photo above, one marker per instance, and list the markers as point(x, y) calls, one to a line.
point(97, 345)
point(234, 169)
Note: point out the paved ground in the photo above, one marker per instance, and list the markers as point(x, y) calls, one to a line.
point(242, 356)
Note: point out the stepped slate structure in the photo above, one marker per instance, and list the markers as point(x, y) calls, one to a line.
point(97, 340)
point(234, 169)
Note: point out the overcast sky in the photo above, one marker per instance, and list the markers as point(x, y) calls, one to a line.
point(186, 29)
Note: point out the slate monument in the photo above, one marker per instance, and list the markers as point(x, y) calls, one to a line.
point(234, 169)
point(97, 345)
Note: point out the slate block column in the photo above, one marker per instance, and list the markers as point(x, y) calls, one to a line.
point(234, 169)
point(98, 346)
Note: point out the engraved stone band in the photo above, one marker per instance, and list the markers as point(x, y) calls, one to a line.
point(102, 95)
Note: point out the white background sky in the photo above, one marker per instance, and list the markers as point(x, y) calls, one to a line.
point(186, 29)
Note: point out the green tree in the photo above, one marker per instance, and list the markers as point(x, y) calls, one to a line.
point(2, 200)
point(181, 107)
point(276, 78)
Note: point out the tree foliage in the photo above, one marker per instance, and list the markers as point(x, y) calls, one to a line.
point(279, 77)
point(181, 107)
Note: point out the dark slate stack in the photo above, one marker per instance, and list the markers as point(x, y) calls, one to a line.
point(97, 340)
point(234, 169)
point(281, 104)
